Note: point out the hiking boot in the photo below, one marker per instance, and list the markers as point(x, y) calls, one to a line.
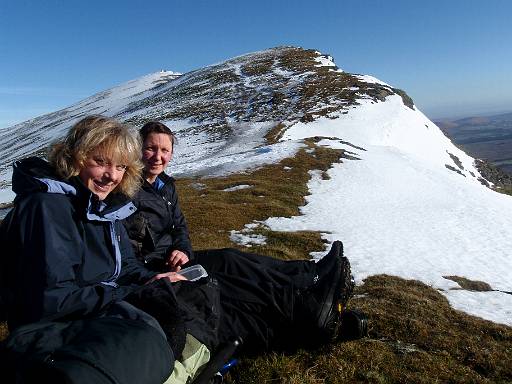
point(354, 325)
point(344, 286)
point(322, 304)
point(325, 265)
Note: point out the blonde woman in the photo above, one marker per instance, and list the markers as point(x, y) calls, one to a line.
point(67, 265)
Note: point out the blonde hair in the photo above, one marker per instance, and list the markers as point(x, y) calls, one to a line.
point(111, 138)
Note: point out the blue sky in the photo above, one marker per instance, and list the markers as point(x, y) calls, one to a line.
point(453, 57)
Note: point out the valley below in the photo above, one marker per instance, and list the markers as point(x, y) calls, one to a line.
point(485, 137)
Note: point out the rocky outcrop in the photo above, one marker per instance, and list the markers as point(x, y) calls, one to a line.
point(500, 179)
point(280, 84)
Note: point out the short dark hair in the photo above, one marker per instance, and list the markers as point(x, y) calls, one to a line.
point(156, 127)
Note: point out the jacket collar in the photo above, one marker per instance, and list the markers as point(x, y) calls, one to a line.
point(115, 207)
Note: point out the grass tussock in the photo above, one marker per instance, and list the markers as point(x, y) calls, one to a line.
point(505, 190)
point(275, 134)
point(470, 285)
point(3, 330)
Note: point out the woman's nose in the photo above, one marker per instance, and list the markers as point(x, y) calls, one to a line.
point(154, 155)
point(112, 173)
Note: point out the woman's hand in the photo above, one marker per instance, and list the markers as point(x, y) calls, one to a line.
point(172, 276)
point(176, 259)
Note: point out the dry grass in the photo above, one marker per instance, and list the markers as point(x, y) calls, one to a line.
point(415, 337)
point(3, 330)
point(275, 190)
point(470, 285)
point(504, 190)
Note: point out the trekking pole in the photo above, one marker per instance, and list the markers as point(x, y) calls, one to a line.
point(218, 361)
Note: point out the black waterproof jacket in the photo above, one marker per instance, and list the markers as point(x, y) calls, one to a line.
point(158, 226)
point(65, 253)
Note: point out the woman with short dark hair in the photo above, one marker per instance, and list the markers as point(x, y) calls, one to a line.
point(268, 302)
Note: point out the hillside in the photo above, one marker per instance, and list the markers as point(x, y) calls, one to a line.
point(292, 153)
point(223, 109)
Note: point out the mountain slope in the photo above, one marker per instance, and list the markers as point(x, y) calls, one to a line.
point(405, 200)
point(33, 137)
point(402, 212)
point(211, 107)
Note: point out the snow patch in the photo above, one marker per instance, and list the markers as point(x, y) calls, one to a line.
point(246, 238)
point(371, 80)
point(197, 154)
point(324, 61)
point(237, 187)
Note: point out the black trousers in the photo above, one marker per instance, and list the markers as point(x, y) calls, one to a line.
point(258, 296)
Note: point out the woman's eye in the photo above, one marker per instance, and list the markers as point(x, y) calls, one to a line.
point(99, 161)
point(121, 167)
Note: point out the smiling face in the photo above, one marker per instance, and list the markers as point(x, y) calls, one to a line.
point(101, 175)
point(156, 154)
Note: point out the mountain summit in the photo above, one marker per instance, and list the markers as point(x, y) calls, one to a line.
point(223, 108)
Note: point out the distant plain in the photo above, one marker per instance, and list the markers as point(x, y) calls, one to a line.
point(484, 137)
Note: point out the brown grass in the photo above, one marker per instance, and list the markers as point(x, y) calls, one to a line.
point(415, 337)
point(505, 190)
point(470, 285)
point(274, 134)
point(3, 330)
point(276, 190)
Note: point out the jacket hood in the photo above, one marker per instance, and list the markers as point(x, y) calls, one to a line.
point(33, 174)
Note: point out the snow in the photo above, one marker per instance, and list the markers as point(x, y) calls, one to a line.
point(237, 187)
point(325, 61)
point(197, 154)
point(246, 238)
point(237, 69)
point(371, 80)
point(115, 99)
point(388, 124)
point(493, 306)
point(400, 211)
point(281, 72)
point(7, 195)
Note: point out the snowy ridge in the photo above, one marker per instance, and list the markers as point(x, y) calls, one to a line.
point(371, 80)
point(401, 211)
point(393, 125)
point(211, 107)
